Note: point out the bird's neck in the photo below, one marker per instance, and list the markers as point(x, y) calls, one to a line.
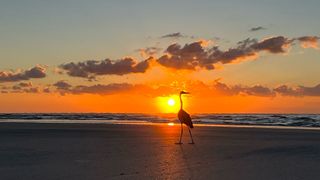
point(181, 104)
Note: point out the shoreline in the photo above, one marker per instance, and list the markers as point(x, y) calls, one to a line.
point(143, 123)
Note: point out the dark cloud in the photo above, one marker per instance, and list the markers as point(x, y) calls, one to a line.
point(102, 89)
point(32, 90)
point(256, 90)
point(2, 86)
point(287, 91)
point(173, 35)
point(273, 45)
point(224, 89)
point(197, 55)
point(114, 88)
point(25, 84)
point(46, 90)
point(10, 76)
point(65, 88)
point(198, 88)
point(243, 51)
point(16, 87)
point(309, 41)
point(192, 56)
point(36, 72)
point(92, 68)
point(22, 88)
point(25, 88)
point(258, 28)
point(298, 91)
point(120, 88)
point(310, 91)
point(187, 57)
point(62, 85)
point(22, 85)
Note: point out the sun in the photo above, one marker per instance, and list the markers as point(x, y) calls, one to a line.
point(168, 104)
point(171, 102)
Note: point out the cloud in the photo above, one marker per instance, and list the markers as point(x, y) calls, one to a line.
point(23, 87)
point(25, 84)
point(46, 90)
point(273, 45)
point(91, 68)
point(262, 91)
point(149, 51)
point(310, 91)
point(102, 89)
point(309, 41)
point(195, 55)
point(298, 91)
point(62, 85)
point(242, 52)
point(229, 90)
point(287, 91)
point(32, 90)
point(173, 35)
point(198, 88)
point(258, 90)
point(35, 72)
point(187, 57)
point(63, 88)
point(258, 28)
point(224, 89)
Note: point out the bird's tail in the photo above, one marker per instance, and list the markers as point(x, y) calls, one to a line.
point(190, 124)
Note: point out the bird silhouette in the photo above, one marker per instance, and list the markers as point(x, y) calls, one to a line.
point(184, 118)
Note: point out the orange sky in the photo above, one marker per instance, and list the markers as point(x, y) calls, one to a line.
point(140, 103)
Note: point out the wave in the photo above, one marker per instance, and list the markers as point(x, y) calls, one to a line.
point(294, 120)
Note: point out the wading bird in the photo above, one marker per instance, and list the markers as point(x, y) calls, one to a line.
point(184, 118)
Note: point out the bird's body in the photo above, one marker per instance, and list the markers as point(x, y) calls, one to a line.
point(184, 118)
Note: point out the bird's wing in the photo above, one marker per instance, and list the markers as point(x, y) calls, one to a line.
point(186, 119)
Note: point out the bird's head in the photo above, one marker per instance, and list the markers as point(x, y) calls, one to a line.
point(184, 92)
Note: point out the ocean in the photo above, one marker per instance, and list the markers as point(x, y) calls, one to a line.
point(290, 120)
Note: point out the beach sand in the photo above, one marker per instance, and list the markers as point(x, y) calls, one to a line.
point(102, 151)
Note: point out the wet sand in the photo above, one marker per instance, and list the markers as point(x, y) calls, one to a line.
point(101, 151)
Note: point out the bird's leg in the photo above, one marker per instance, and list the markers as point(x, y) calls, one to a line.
point(192, 142)
point(181, 132)
point(180, 135)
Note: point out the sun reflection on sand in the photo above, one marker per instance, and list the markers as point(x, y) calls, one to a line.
point(170, 124)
